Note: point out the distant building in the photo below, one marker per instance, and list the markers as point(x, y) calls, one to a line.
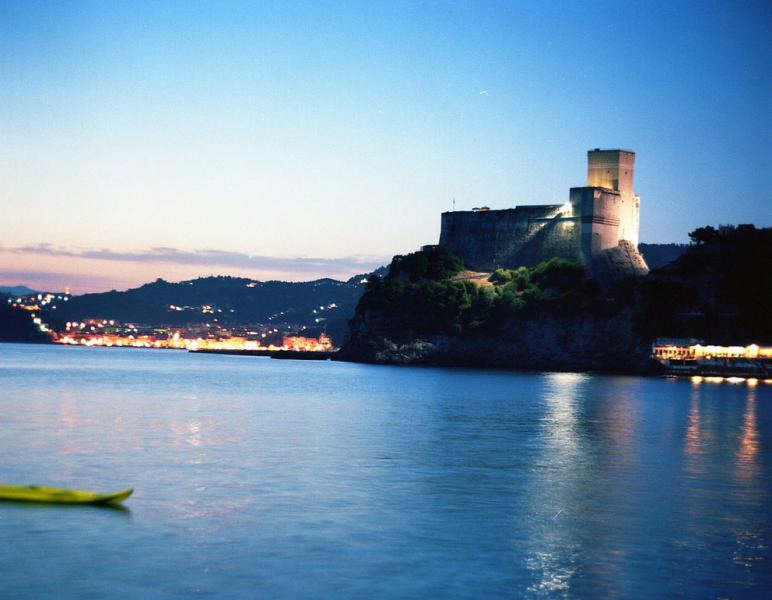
point(598, 226)
point(308, 344)
point(693, 357)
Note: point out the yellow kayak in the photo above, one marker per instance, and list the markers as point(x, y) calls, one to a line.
point(35, 493)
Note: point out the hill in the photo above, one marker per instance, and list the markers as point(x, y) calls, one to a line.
point(659, 255)
point(227, 300)
point(17, 326)
point(553, 317)
point(17, 290)
point(547, 317)
point(717, 290)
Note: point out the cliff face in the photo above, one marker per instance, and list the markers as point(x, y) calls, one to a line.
point(545, 343)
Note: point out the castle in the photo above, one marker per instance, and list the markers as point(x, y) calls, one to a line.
point(598, 226)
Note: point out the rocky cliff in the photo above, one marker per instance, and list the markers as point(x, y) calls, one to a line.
point(547, 343)
point(548, 317)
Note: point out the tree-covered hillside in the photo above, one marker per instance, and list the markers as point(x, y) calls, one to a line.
point(718, 290)
point(552, 316)
point(228, 300)
point(16, 325)
point(545, 317)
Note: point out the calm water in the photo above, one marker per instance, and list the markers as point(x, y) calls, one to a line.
point(258, 478)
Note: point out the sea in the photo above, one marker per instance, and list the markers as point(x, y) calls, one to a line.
point(261, 478)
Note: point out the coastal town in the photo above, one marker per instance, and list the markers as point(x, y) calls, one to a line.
point(210, 336)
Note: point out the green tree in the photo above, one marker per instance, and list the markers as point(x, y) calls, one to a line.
point(703, 235)
point(433, 263)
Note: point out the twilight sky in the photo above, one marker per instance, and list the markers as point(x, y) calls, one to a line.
point(296, 140)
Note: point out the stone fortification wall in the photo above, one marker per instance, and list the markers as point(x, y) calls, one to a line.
point(525, 235)
point(593, 224)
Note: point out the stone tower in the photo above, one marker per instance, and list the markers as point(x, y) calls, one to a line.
point(614, 169)
point(608, 207)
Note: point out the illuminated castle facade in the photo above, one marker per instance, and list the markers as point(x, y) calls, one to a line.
point(598, 226)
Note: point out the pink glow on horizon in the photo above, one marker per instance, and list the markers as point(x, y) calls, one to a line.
point(86, 275)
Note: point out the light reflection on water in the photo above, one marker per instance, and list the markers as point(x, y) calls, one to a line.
point(554, 552)
point(287, 479)
point(747, 463)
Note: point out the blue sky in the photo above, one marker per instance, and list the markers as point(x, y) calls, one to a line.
point(334, 133)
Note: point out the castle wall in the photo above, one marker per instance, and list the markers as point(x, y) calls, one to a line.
point(600, 218)
point(521, 236)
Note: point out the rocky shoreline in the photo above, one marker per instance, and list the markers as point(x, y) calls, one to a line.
point(551, 344)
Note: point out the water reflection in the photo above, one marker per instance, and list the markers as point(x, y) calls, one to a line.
point(560, 422)
point(56, 510)
point(747, 464)
point(693, 435)
point(187, 433)
point(553, 559)
point(752, 540)
point(619, 419)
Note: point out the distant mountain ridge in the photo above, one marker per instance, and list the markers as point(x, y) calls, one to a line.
point(17, 290)
point(659, 255)
point(227, 300)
